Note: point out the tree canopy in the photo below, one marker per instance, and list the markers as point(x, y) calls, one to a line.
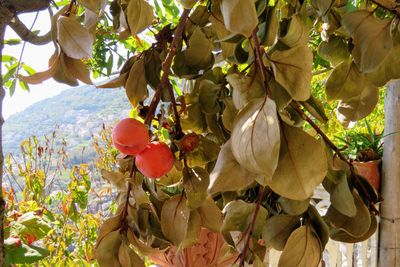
point(232, 78)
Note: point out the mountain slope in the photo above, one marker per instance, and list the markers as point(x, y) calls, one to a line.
point(79, 112)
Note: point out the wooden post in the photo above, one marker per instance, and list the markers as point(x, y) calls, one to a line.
point(389, 230)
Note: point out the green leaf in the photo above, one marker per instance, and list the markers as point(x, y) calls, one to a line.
point(193, 230)
point(293, 207)
point(195, 183)
point(240, 16)
point(334, 50)
point(346, 82)
point(238, 215)
point(358, 107)
point(340, 195)
point(296, 175)
point(199, 52)
point(23, 254)
point(320, 226)
point(7, 59)
point(371, 38)
point(30, 223)
point(228, 174)
point(388, 70)
point(211, 215)
point(268, 30)
point(277, 230)
point(292, 69)
point(303, 249)
point(153, 68)
point(139, 15)
point(256, 137)
point(193, 119)
point(136, 85)
point(208, 97)
point(229, 114)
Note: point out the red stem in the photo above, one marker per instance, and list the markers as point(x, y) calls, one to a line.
point(166, 67)
point(251, 226)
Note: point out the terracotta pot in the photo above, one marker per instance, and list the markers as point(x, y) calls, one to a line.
point(370, 170)
point(209, 251)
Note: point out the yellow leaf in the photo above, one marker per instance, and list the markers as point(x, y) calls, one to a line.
point(139, 16)
point(75, 40)
point(303, 249)
point(371, 38)
point(136, 85)
point(256, 137)
point(240, 16)
point(297, 175)
point(292, 69)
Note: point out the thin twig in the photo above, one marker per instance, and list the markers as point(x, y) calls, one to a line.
point(166, 66)
point(251, 226)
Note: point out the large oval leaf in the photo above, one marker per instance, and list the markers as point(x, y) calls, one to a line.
point(371, 38)
point(228, 174)
point(139, 16)
point(303, 249)
point(136, 85)
point(302, 165)
point(240, 16)
point(75, 40)
point(239, 214)
point(245, 88)
point(277, 230)
point(175, 219)
point(256, 138)
point(344, 82)
point(355, 226)
point(292, 69)
point(357, 108)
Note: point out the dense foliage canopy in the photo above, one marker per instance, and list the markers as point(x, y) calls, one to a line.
point(227, 84)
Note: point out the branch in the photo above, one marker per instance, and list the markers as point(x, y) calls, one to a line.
point(391, 6)
point(296, 107)
point(251, 226)
point(26, 35)
point(25, 6)
point(166, 67)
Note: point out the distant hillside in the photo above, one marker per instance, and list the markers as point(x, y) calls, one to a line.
point(79, 112)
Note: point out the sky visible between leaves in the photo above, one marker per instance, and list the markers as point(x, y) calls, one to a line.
point(36, 57)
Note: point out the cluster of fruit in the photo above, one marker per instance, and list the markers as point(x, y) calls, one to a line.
point(152, 159)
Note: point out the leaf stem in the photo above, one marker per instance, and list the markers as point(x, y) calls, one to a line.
point(261, 191)
point(166, 67)
point(258, 57)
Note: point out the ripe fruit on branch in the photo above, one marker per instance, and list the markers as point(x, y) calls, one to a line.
point(189, 142)
point(155, 161)
point(130, 136)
